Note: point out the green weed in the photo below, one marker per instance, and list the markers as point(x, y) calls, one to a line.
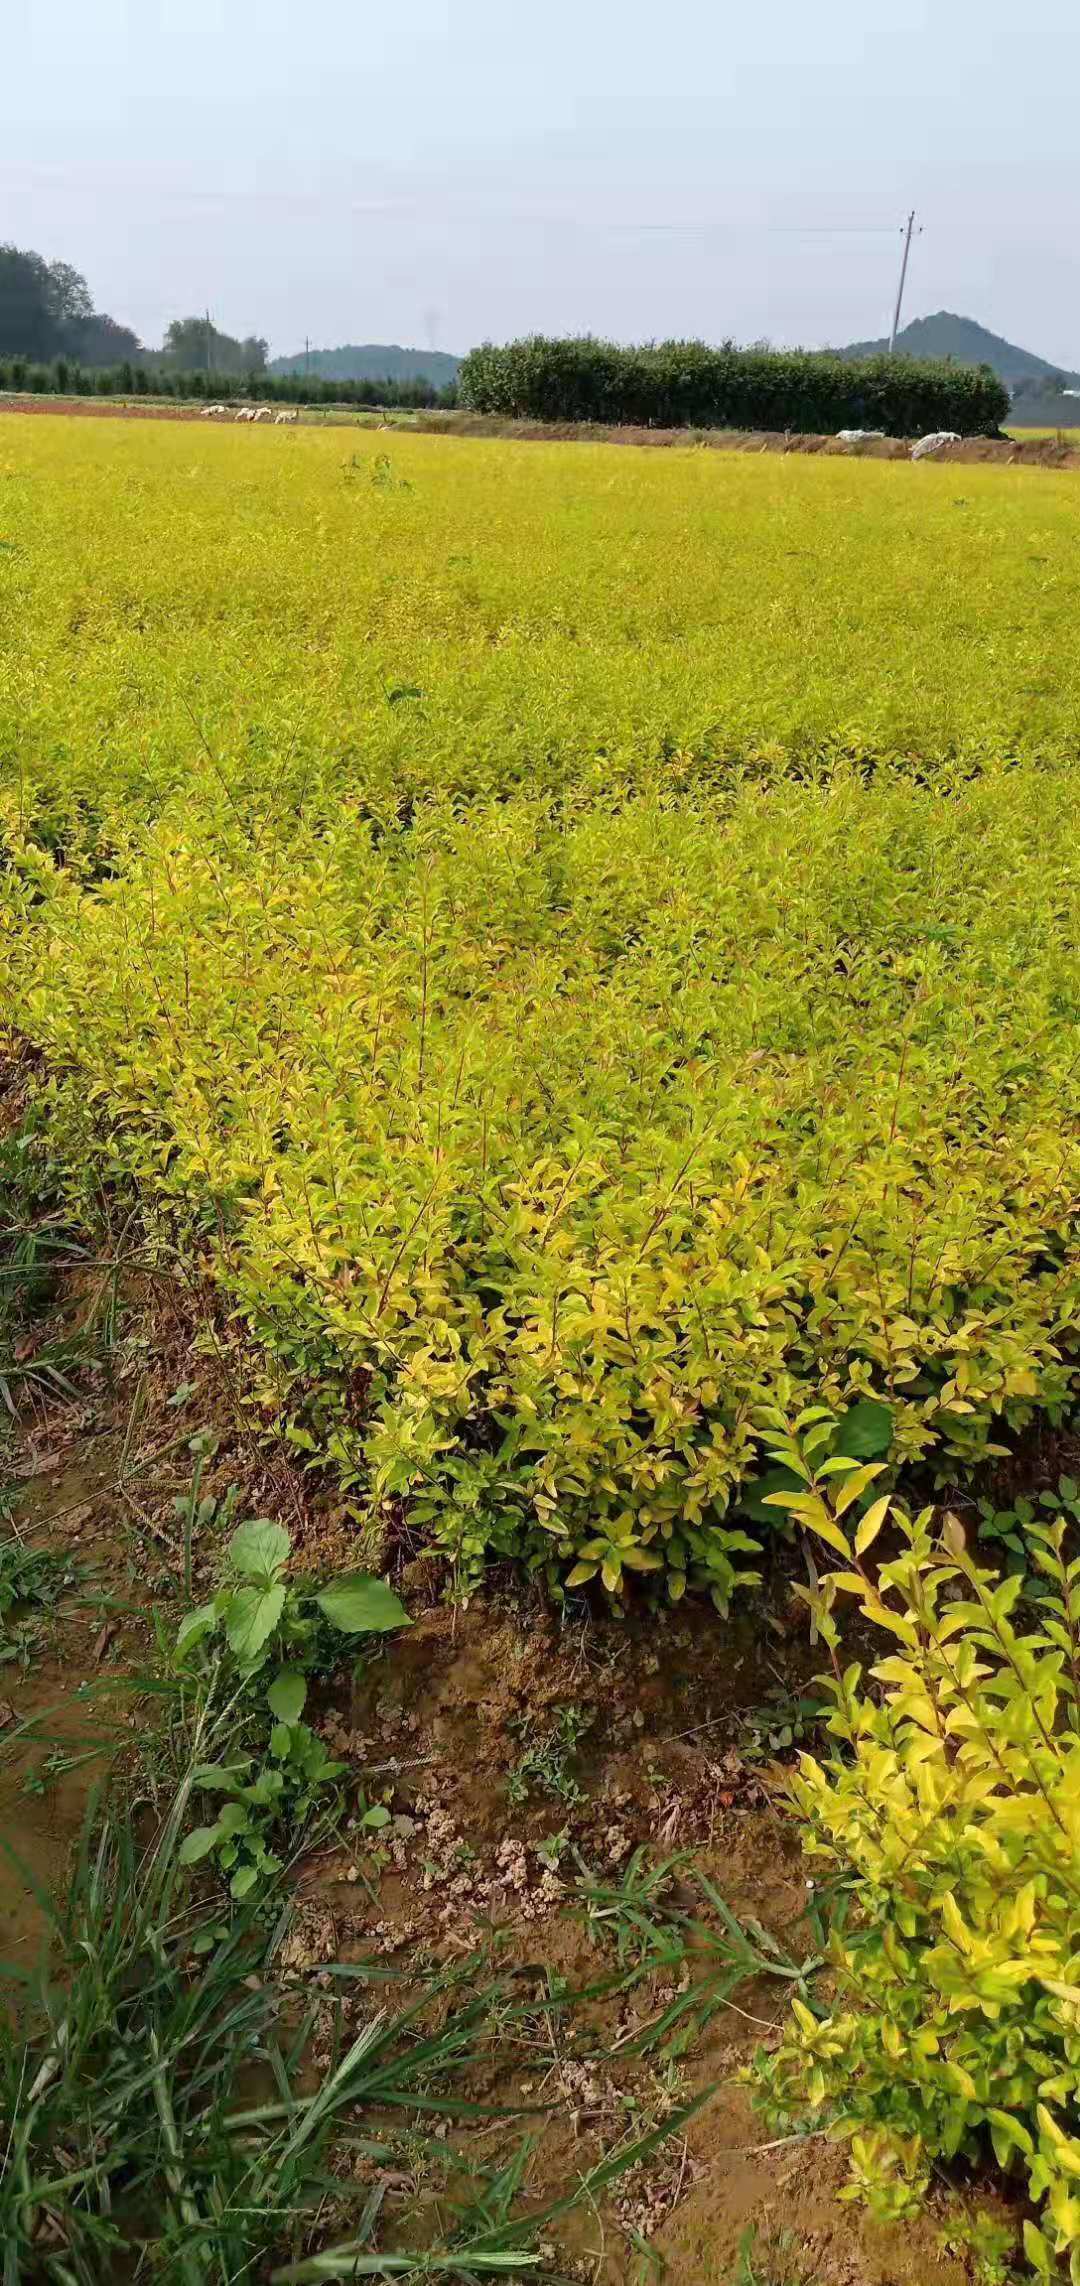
point(784, 1720)
point(248, 1654)
point(991, 2245)
point(32, 1579)
point(56, 1764)
point(546, 1764)
point(669, 1918)
point(1007, 1532)
point(771, 2258)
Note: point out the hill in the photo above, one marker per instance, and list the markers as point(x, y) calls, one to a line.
point(969, 343)
point(372, 361)
point(1037, 387)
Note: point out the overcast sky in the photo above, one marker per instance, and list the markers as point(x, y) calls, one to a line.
point(435, 173)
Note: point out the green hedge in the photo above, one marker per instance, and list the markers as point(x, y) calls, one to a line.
point(681, 384)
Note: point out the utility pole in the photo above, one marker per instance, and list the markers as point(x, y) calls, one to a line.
point(307, 355)
point(900, 288)
point(208, 341)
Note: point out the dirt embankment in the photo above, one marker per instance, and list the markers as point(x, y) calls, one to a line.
point(999, 452)
point(100, 408)
point(1004, 452)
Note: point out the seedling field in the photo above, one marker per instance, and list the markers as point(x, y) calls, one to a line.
point(575, 956)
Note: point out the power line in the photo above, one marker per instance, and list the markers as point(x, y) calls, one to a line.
point(422, 210)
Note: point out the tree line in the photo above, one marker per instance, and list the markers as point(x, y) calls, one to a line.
point(46, 311)
point(62, 377)
point(54, 343)
point(47, 314)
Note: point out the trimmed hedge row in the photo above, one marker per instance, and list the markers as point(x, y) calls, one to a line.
point(64, 378)
point(684, 384)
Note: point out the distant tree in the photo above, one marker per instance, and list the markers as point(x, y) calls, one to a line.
point(70, 299)
point(27, 325)
point(191, 346)
point(47, 311)
point(189, 342)
point(99, 340)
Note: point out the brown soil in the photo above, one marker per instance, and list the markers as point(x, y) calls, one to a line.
point(662, 1767)
point(1002, 452)
point(998, 452)
point(99, 408)
point(65, 1705)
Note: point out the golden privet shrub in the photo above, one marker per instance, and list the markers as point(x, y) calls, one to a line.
point(950, 1813)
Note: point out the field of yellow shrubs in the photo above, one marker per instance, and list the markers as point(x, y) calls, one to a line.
point(582, 949)
point(567, 938)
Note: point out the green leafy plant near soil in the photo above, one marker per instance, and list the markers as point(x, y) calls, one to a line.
point(991, 2245)
point(546, 1762)
point(31, 1579)
point(254, 1645)
point(785, 1719)
point(771, 2258)
point(665, 1919)
point(1010, 1528)
point(951, 1813)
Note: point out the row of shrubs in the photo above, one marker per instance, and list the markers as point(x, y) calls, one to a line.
point(677, 384)
point(64, 379)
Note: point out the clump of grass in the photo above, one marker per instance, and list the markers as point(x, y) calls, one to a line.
point(545, 1764)
point(31, 1580)
point(669, 1919)
point(159, 2097)
point(38, 1250)
point(163, 2115)
point(771, 2258)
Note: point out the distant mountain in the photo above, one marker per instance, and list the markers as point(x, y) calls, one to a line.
point(372, 361)
point(1036, 386)
point(968, 343)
